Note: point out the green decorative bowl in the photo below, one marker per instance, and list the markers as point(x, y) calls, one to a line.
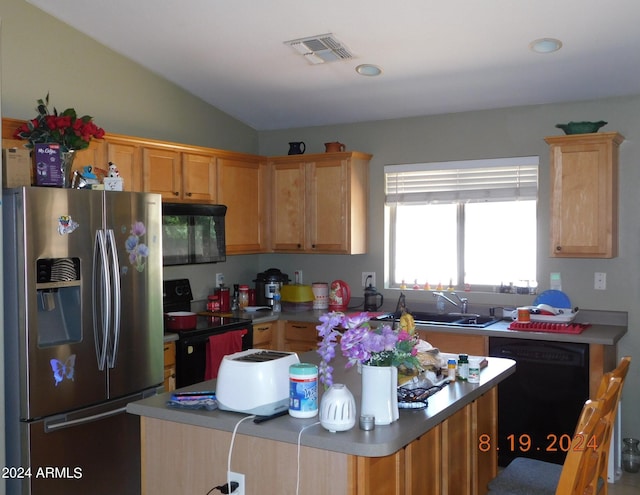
point(581, 127)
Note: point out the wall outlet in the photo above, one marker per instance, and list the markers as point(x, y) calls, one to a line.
point(238, 478)
point(366, 280)
point(600, 281)
point(297, 277)
point(219, 279)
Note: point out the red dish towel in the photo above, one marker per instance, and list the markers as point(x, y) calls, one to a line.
point(219, 346)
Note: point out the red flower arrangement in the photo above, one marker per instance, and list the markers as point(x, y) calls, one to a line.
point(67, 129)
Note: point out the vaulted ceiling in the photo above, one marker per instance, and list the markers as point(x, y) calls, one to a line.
point(436, 56)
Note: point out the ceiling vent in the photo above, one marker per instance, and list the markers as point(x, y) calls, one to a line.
point(320, 49)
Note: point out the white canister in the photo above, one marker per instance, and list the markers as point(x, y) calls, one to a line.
point(303, 390)
point(320, 295)
point(474, 370)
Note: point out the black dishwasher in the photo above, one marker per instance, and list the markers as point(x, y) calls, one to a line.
point(539, 405)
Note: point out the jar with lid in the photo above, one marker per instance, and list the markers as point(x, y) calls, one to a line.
point(303, 390)
point(243, 297)
point(463, 367)
point(474, 370)
point(631, 455)
point(451, 370)
point(213, 303)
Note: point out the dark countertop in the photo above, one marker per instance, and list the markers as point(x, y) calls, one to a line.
point(607, 328)
point(382, 441)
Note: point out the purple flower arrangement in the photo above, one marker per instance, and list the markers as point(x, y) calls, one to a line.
point(362, 343)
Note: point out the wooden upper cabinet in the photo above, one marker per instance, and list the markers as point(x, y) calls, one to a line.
point(199, 178)
point(584, 195)
point(127, 157)
point(243, 188)
point(319, 203)
point(288, 208)
point(162, 173)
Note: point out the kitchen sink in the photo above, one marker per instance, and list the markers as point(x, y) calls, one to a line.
point(447, 319)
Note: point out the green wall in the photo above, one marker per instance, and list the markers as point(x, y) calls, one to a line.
point(517, 131)
point(41, 54)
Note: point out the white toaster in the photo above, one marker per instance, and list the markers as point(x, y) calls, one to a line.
point(255, 381)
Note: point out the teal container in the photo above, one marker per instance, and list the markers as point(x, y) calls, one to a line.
point(303, 390)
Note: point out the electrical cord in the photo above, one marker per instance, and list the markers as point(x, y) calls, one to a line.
point(298, 470)
point(230, 486)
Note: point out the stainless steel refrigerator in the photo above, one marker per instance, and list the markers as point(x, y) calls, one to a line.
point(83, 336)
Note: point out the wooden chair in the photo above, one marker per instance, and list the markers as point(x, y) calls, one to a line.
point(620, 372)
point(581, 471)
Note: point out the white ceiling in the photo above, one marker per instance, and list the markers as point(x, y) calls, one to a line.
point(438, 56)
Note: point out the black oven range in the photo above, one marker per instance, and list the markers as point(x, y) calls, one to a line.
point(198, 351)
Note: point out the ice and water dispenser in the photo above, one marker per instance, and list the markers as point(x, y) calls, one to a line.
point(59, 301)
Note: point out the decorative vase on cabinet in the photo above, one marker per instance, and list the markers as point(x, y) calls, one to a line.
point(66, 165)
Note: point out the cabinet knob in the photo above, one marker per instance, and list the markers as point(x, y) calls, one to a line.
point(176, 193)
point(189, 194)
point(558, 248)
point(299, 246)
point(313, 246)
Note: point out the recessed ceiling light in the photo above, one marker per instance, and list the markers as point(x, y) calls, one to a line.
point(545, 45)
point(368, 70)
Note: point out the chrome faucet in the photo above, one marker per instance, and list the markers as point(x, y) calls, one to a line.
point(463, 301)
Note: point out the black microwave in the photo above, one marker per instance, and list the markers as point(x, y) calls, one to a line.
point(193, 233)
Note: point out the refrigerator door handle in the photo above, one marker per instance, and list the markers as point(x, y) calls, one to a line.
point(100, 299)
point(115, 296)
point(54, 423)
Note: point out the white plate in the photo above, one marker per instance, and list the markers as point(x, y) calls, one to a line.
point(565, 318)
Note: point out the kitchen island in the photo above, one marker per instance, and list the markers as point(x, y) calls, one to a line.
point(449, 447)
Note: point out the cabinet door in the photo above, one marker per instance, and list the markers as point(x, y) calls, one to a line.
point(328, 197)
point(199, 181)
point(93, 155)
point(288, 206)
point(300, 336)
point(242, 188)
point(263, 335)
point(127, 157)
point(584, 198)
point(161, 173)
point(169, 366)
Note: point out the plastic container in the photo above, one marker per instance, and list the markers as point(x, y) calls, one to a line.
point(213, 303)
point(451, 370)
point(463, 367)
point(303, 390)
point(277, 306)
point(474, 370)
point(243, 297)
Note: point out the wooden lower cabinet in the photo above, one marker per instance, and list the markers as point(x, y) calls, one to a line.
point(300, 336)
point(263, 335)
point(474, 345)
point(448, 459)
point(169, 366)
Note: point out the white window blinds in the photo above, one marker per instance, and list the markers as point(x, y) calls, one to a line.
point(500, 179)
